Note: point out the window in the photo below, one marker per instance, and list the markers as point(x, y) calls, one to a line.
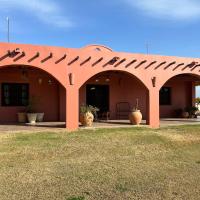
point(14, 94)
point(165, 96)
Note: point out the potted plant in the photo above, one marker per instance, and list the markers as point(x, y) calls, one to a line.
point(22, 117)
point(40, 117)
point(86, 114)
point(135, 115)
point(197, 101)
point(191, 110)
point(185, 113)
point(30, 110)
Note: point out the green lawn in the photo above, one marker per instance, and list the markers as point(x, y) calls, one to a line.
point(136, 163)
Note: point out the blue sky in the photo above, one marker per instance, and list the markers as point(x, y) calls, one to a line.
point(170, 27)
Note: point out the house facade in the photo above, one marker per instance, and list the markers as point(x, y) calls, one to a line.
point(64, 78)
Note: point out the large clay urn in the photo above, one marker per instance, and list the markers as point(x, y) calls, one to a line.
point(185, 114)
point(86, 119)
point(21, 117)
point(135, 117)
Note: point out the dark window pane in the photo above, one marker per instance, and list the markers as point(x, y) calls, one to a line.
point(165, 96)
point(15, 94)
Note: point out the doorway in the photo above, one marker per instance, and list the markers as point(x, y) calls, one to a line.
point(98, 96)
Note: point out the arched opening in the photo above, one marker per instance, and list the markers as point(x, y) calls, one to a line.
point(177, 96)
point(20, 83)
point(115, 94)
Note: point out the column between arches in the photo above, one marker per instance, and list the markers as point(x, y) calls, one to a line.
point(72, 108)
point(153, 116)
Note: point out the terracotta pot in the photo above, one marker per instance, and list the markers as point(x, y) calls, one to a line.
point(40, 117)
point(21, 117)
point(135, 117)
point(86, 119)
point(185, 114)
point(32, 117)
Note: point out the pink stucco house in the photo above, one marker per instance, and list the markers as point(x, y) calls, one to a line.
point(64, 78)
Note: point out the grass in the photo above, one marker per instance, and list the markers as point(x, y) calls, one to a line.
point(129, 163)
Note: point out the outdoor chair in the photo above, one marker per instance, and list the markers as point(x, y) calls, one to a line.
point(122, 110)
point(105, 115)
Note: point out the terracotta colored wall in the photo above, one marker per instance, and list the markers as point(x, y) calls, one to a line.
point(88, 61)
point(62, 103)
point(48, 94)
point(181, 97)
point(130, 88)
point(123, 88)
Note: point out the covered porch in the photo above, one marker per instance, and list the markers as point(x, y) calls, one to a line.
point(25, 89)
point(65, 78)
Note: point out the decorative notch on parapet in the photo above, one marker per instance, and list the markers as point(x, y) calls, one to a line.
point(15, 52)
point(47, 58)
point(129, 64)
point(71, 78)
point(98, 61)
point(153, 80)
point(170, 64)
point(120, 62)
point(73, 61)
point(98, 48)
point(85, 61)
point(150, 64)
point(34, 57)
point(179, 65)
point(162, 63)
point(20, 56)
point(4, 56)
point(195, 67)
point(61, 59)
point(190, 65)
point(112, 61)
point(10, 54)
point(141, 63)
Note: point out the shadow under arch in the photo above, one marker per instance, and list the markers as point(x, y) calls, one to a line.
point(89, 76)
point(177, 94)
point(123, 87)
point(42, 84)
point(177, 75)
point(32, 67)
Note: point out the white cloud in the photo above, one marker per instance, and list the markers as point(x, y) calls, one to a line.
point(47, 11)
point(168, 9)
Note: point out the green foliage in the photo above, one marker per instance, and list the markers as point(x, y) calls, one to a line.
point(192, 110)
point(197, 101)
point(88, 108)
